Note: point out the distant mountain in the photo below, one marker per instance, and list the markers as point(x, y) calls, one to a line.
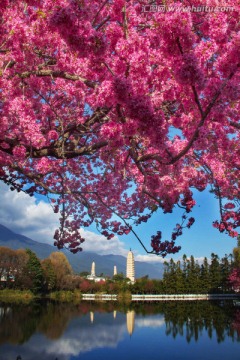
point(81, 261)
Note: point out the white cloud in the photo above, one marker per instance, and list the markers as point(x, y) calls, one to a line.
point(150, 258)
point(97, 242)
point(35, 219)
point(25, 215)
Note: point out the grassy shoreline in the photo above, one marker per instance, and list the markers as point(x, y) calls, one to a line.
point(66, 296)
point(75, 296)
point(11, 296)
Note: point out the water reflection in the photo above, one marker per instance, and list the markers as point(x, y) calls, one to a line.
point(130, 317)
point(91, 316)
point(66, 330)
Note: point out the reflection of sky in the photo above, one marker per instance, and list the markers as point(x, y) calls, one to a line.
point(80, 336)
point(98, 336)
point(150, 321)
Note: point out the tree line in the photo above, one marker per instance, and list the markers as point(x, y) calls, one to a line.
point(21, 269)
point(188, 276)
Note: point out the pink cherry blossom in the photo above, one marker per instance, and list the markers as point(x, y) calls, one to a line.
point(18, 151)
point(53, 135)
point(115, 112)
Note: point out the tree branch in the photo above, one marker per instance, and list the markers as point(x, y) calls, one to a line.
point(201, 122)
point(57, 74)
point(234, 124)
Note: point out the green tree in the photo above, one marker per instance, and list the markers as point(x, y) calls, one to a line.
point(49, 275)
point(215, 273)
point(226, 268)
point(169, 277)
point(205, 277)
point(34, 272)
point(166, 275)
point(179, 279)
point(84, 273)
point(194, 276)
point(119, 277)
point(185, 271)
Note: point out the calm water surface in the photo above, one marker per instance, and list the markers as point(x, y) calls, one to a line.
point(112, 331)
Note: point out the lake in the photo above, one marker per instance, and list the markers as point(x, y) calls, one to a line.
point(111, 331)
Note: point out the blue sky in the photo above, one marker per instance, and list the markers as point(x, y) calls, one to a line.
point(35, 219)
point(201, 239)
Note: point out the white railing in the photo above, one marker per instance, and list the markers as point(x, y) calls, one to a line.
point(150, 297)
point(99, 296)
point(162, 297)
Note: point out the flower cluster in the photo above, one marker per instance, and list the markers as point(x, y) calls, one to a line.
point(53, 135)
point(163, 247)
point(19, 151)
point(188, 202)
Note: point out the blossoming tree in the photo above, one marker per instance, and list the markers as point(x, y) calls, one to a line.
point(113, 112)
point(234, 279)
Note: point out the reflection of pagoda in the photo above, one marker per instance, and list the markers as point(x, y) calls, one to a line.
point(130, 321)
point(130, 273)
point(92, 316)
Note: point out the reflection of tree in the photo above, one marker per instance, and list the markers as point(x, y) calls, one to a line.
point(236, 322)
point(18, 324)
point(191, 318)
point(55, 318)
point(187, 319)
